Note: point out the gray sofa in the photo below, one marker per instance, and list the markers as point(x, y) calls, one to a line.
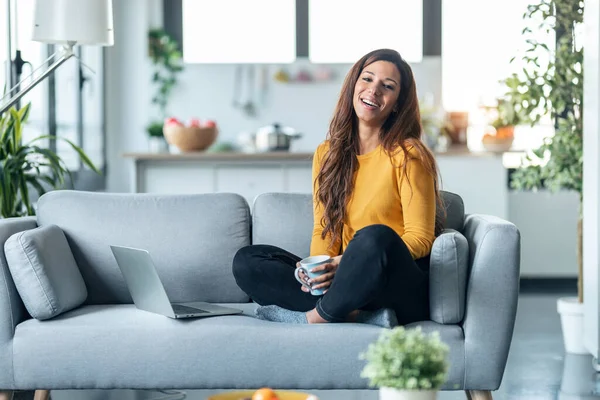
point(108, 344)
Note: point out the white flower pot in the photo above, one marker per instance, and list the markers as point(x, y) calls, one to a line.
point(157, 145)
point(396, 394)
point(571, 318)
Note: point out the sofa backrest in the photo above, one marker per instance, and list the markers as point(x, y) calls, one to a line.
point(192, 240)
point(455, 211)
point(286, 219)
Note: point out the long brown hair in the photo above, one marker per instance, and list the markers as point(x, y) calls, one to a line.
point(401, 130)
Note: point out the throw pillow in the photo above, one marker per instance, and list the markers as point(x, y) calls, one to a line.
point(44, 271)
point(448, 277)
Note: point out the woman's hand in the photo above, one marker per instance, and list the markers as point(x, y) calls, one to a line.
point(323, 281)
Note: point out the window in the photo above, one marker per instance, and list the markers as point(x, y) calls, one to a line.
point(342, 31)
point(476, 56)
point(239, 31)
point(35, 53)
point(68, 104)
point(3, 47)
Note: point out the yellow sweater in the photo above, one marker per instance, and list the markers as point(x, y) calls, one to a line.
point(382, 195)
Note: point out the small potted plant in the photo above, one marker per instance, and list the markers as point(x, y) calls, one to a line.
point(507, 116)
point(406, 364)
point(156, 139)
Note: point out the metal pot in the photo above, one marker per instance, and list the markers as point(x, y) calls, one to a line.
point(274, 138)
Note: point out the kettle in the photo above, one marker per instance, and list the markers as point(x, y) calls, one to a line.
point(274, 137)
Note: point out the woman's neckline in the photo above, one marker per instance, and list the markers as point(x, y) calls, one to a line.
point(369, 153)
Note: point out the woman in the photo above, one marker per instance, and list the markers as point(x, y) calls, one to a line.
point(375, 197)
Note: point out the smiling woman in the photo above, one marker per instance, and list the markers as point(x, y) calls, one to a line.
point(375, 199)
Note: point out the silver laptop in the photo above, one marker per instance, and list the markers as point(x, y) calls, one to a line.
point(148, 292)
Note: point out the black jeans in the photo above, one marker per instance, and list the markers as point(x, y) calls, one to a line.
point(376, 271)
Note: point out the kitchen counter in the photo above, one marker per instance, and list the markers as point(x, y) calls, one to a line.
point(249, 174)
point(458, 151)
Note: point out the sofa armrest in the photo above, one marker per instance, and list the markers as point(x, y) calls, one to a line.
point(492, 296)
point(12, 310)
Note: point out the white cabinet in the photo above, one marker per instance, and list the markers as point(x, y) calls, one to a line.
point(249, 180)
point(246, 174)
point(175, 177)
point(481, 180)
point(298, 179)
point(239, 31)
point(341, 32)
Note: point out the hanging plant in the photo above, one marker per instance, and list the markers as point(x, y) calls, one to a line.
point(166, 58)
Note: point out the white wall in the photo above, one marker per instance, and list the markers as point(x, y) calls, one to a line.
point(206, 91)
point(127, 89)
point(548, 225)
point(591, 175)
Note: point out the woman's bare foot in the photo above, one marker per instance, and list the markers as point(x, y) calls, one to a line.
point(313, 317)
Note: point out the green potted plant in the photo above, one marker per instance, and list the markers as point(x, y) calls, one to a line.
point(552, 83)
point(508, 116)
point(505, 116)
point(166, 59)
point(28, 165)
point(406, 364)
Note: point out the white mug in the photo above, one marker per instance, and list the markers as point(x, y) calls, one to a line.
point(306, 266)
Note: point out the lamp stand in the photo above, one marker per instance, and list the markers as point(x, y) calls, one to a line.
point(65, 54)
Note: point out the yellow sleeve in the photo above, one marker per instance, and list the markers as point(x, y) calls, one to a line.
point(319, 246)
point(418, 206)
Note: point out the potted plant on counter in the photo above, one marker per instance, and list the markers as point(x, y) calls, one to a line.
point(167, 64)
point(507, 115)
point(156, 139)
point(406, 364)
point(552, 84)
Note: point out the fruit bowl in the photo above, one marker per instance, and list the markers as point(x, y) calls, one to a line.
point(497, 144)
point(189, 138)
point(281, 395)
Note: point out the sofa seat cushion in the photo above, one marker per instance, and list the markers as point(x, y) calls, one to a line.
point(44, 271)
point(118, 346)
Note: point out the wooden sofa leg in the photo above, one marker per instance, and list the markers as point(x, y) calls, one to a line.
point(6, 395)
point(479, 395)
point(41, 395)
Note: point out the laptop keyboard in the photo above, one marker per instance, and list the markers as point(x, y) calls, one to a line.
point(179, 309)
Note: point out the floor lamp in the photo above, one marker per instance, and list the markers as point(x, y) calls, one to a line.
point(66, 23)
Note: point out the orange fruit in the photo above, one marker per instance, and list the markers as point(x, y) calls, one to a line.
point(264, 394)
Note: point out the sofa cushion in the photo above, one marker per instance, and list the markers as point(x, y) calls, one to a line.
point(448, 277)
point(455, 211)
point(192, 240)
point(44, 271)
point(118, 346)
point(284, 220)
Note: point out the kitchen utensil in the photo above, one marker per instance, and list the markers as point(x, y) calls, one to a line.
point(237, 86)
point(249, 108)
point(274, 138)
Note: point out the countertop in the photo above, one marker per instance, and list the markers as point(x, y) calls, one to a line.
point(459, 151)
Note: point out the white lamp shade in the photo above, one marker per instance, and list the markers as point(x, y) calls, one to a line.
point(82, 21)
